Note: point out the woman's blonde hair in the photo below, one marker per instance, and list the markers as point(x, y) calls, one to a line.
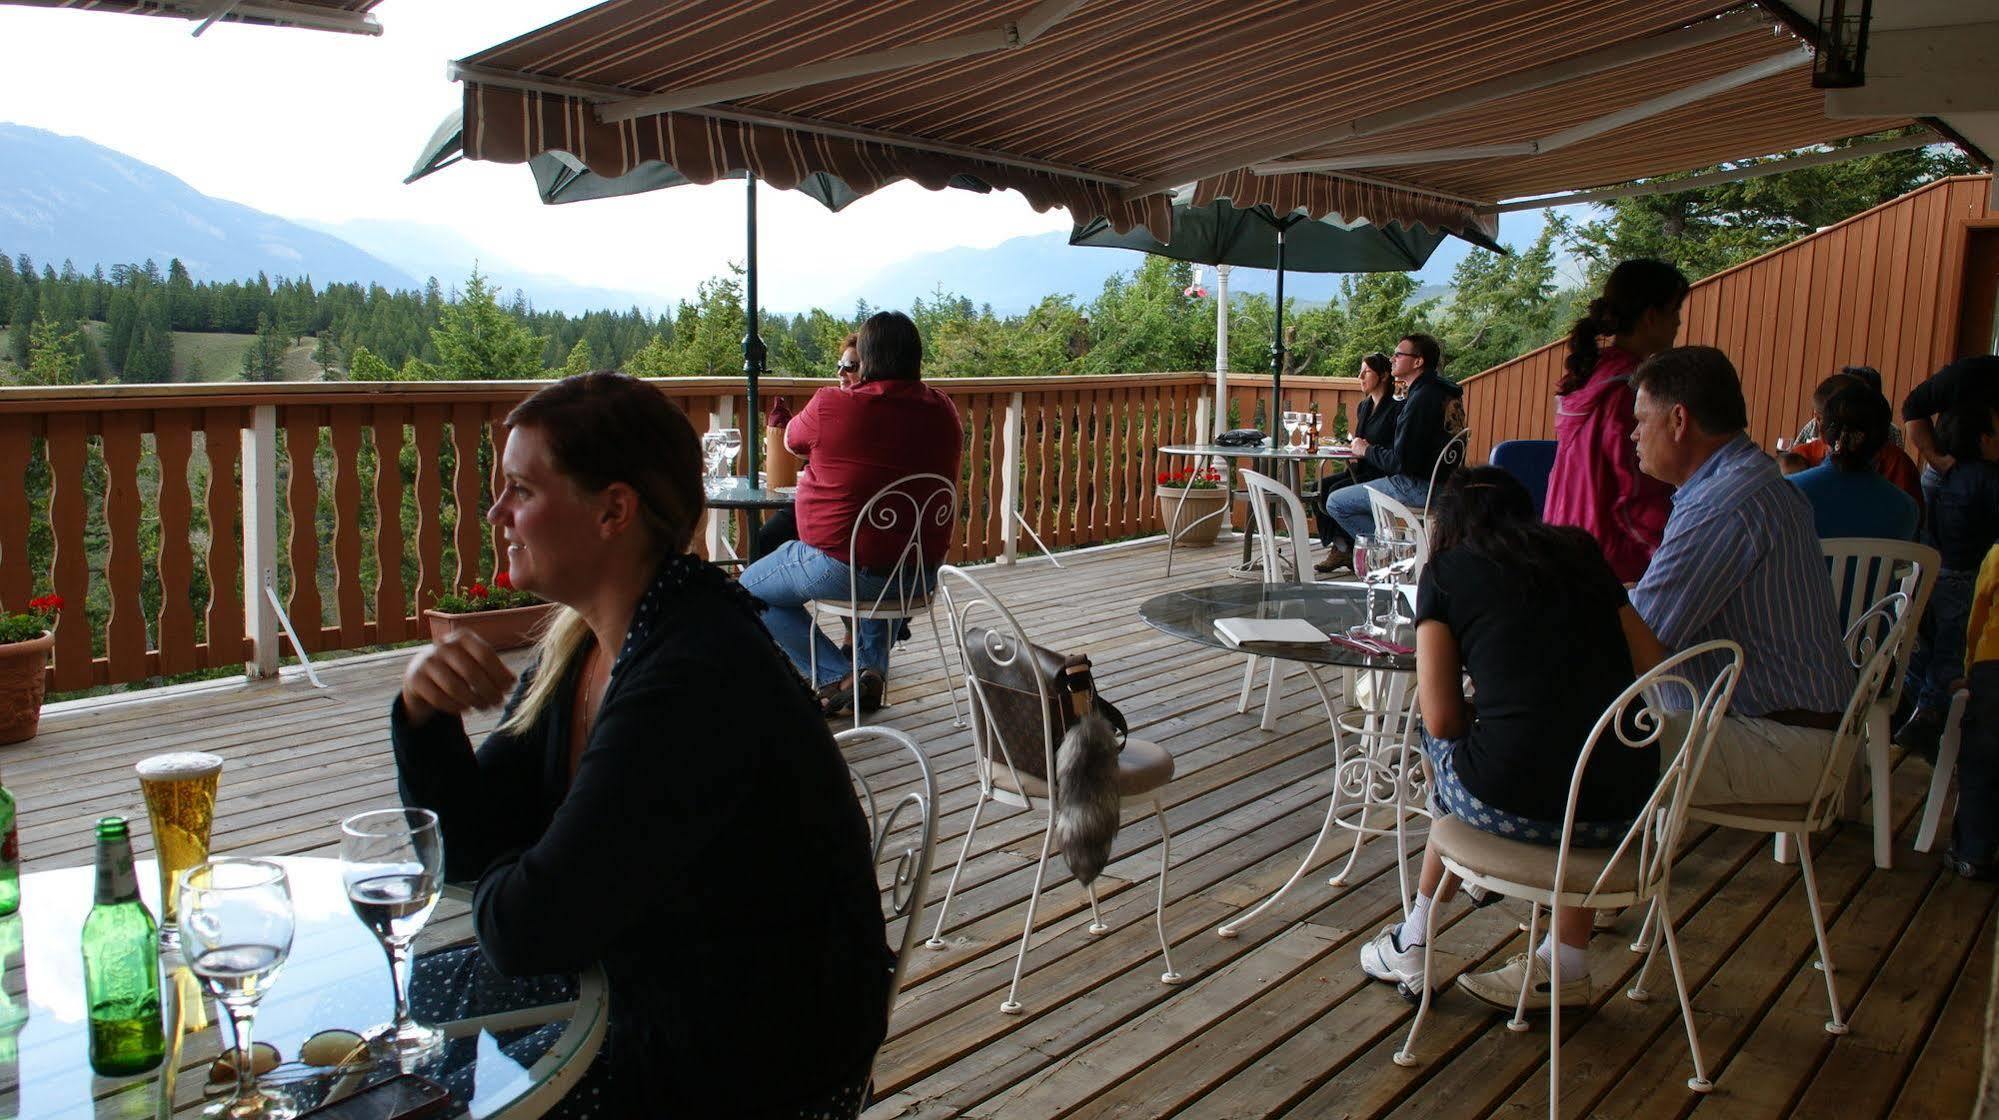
point(602, 428)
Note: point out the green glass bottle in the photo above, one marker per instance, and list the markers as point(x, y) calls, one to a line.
point(121, 963)
point(10, 856)
point(13, 999)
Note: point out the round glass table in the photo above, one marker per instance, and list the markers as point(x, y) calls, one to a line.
point(512, 1063)
point(1334, 608)
point(1379, 787)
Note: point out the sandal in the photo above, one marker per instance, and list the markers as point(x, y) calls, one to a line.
point(873, 691)
point(835, 697)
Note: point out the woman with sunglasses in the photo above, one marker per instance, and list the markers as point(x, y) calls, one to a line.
point(783, 525)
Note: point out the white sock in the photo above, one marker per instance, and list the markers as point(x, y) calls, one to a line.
point(1575, 962)
point(1411, 934)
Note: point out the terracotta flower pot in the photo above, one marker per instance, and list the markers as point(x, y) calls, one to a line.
point(1189, 522)
point(23, 678)
point(511, 628)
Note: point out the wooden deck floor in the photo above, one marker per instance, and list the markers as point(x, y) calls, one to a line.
point(1279, 1021)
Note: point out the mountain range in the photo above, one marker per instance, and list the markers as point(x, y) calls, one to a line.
point(63, 198)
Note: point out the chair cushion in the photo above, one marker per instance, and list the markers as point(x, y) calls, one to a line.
point(1530, 865)
point(1142, 767)
point(891, 606)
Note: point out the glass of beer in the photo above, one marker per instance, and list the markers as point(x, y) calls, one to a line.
point(180, 799)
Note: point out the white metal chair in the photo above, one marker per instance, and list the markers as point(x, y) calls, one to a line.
point(1639, 869)
point(916, 504)
point(1449, 459)
point(1872, 641)
point(1948, 744)
point(909, 883)
point(1144, 769)
point(1266, 494)
point(1863, 571)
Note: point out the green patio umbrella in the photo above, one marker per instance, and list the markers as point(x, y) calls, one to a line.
point(560, 177)
point(1220, 233)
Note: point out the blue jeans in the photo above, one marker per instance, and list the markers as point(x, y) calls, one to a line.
point(1939, 656)
point(1449, 796)
point(1353, 513)
point(794, 574)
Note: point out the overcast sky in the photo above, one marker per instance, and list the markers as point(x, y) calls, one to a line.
point(323, 126)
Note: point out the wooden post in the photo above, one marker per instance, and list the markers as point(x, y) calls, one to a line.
point(1010, 481)
point(260, 538)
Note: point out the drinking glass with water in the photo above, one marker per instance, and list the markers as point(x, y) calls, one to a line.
point(236, 932)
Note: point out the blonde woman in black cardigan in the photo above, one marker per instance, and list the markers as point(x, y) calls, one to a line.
point(662, 796)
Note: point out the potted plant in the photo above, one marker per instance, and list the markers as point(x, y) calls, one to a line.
point(1191, 501)
point(505, 616)
point(25, 640)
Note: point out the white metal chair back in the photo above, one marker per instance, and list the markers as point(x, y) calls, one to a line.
point(968, 605)
point(1449, 459)
point(1265, 494)
point(1392, 516)
point(915, 504)
point(910, 823)
point(1873, 643)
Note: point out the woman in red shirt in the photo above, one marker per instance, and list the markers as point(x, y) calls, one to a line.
point(1596, 484)
point(857, 439)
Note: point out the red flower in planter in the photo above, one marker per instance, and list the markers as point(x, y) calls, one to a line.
point(503, 581)
point(477, 591)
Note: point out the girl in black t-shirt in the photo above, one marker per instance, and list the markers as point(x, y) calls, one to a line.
point(1532, 613)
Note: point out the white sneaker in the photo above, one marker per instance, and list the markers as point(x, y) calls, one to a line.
point(1500, 987)
point(1384, 958)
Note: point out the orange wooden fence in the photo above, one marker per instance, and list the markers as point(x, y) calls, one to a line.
point(167, 510)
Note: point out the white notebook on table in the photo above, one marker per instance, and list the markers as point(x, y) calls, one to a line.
point(1294, 631)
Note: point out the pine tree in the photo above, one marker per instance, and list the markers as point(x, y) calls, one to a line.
point(52, 355)
point(265, 359)
point(21, 323)
point(579, 360)
point(325, 355)
point(120, 324)
point(363, 365)
point(477, 341)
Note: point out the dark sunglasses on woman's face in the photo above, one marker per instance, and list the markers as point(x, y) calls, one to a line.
point(848, 367)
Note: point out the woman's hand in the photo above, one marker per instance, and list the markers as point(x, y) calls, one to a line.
point(453, 675)
point(1359, 447)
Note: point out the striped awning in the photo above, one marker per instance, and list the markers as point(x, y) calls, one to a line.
point(350, 16)
point(1102, 106)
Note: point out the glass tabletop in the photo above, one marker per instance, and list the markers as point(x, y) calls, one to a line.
point(1255, 451)
point(739, 493)
point(500, 1063)
point(1333, 608)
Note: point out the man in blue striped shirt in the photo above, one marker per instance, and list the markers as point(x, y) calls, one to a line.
point(1741, 560)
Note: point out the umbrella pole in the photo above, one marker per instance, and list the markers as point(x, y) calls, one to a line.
point(1221, 349)
point(753, 344)
point(1277, 344)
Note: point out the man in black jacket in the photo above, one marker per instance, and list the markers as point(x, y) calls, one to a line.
point(1431, 414)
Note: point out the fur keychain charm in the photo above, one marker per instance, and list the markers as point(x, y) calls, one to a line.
point(1086, 796)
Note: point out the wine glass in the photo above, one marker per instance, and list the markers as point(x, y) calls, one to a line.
point(393, 864)
point(1292, 422)
point(732, 442)
point(711, 460)
point(236, 931)
point(1403, 570)
point(1363, 553)
point(1380, 555)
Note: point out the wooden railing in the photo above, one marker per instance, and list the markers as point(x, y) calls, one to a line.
point(175, 520)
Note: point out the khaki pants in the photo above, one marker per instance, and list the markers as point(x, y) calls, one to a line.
point(1755, 761)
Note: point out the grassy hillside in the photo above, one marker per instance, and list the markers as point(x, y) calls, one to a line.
point(207, 357)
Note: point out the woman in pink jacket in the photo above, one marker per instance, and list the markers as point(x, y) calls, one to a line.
point(1595, 484)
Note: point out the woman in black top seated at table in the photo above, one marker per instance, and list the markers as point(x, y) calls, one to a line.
point(1533, 614)
point(1374, 421)
point(661, 797)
